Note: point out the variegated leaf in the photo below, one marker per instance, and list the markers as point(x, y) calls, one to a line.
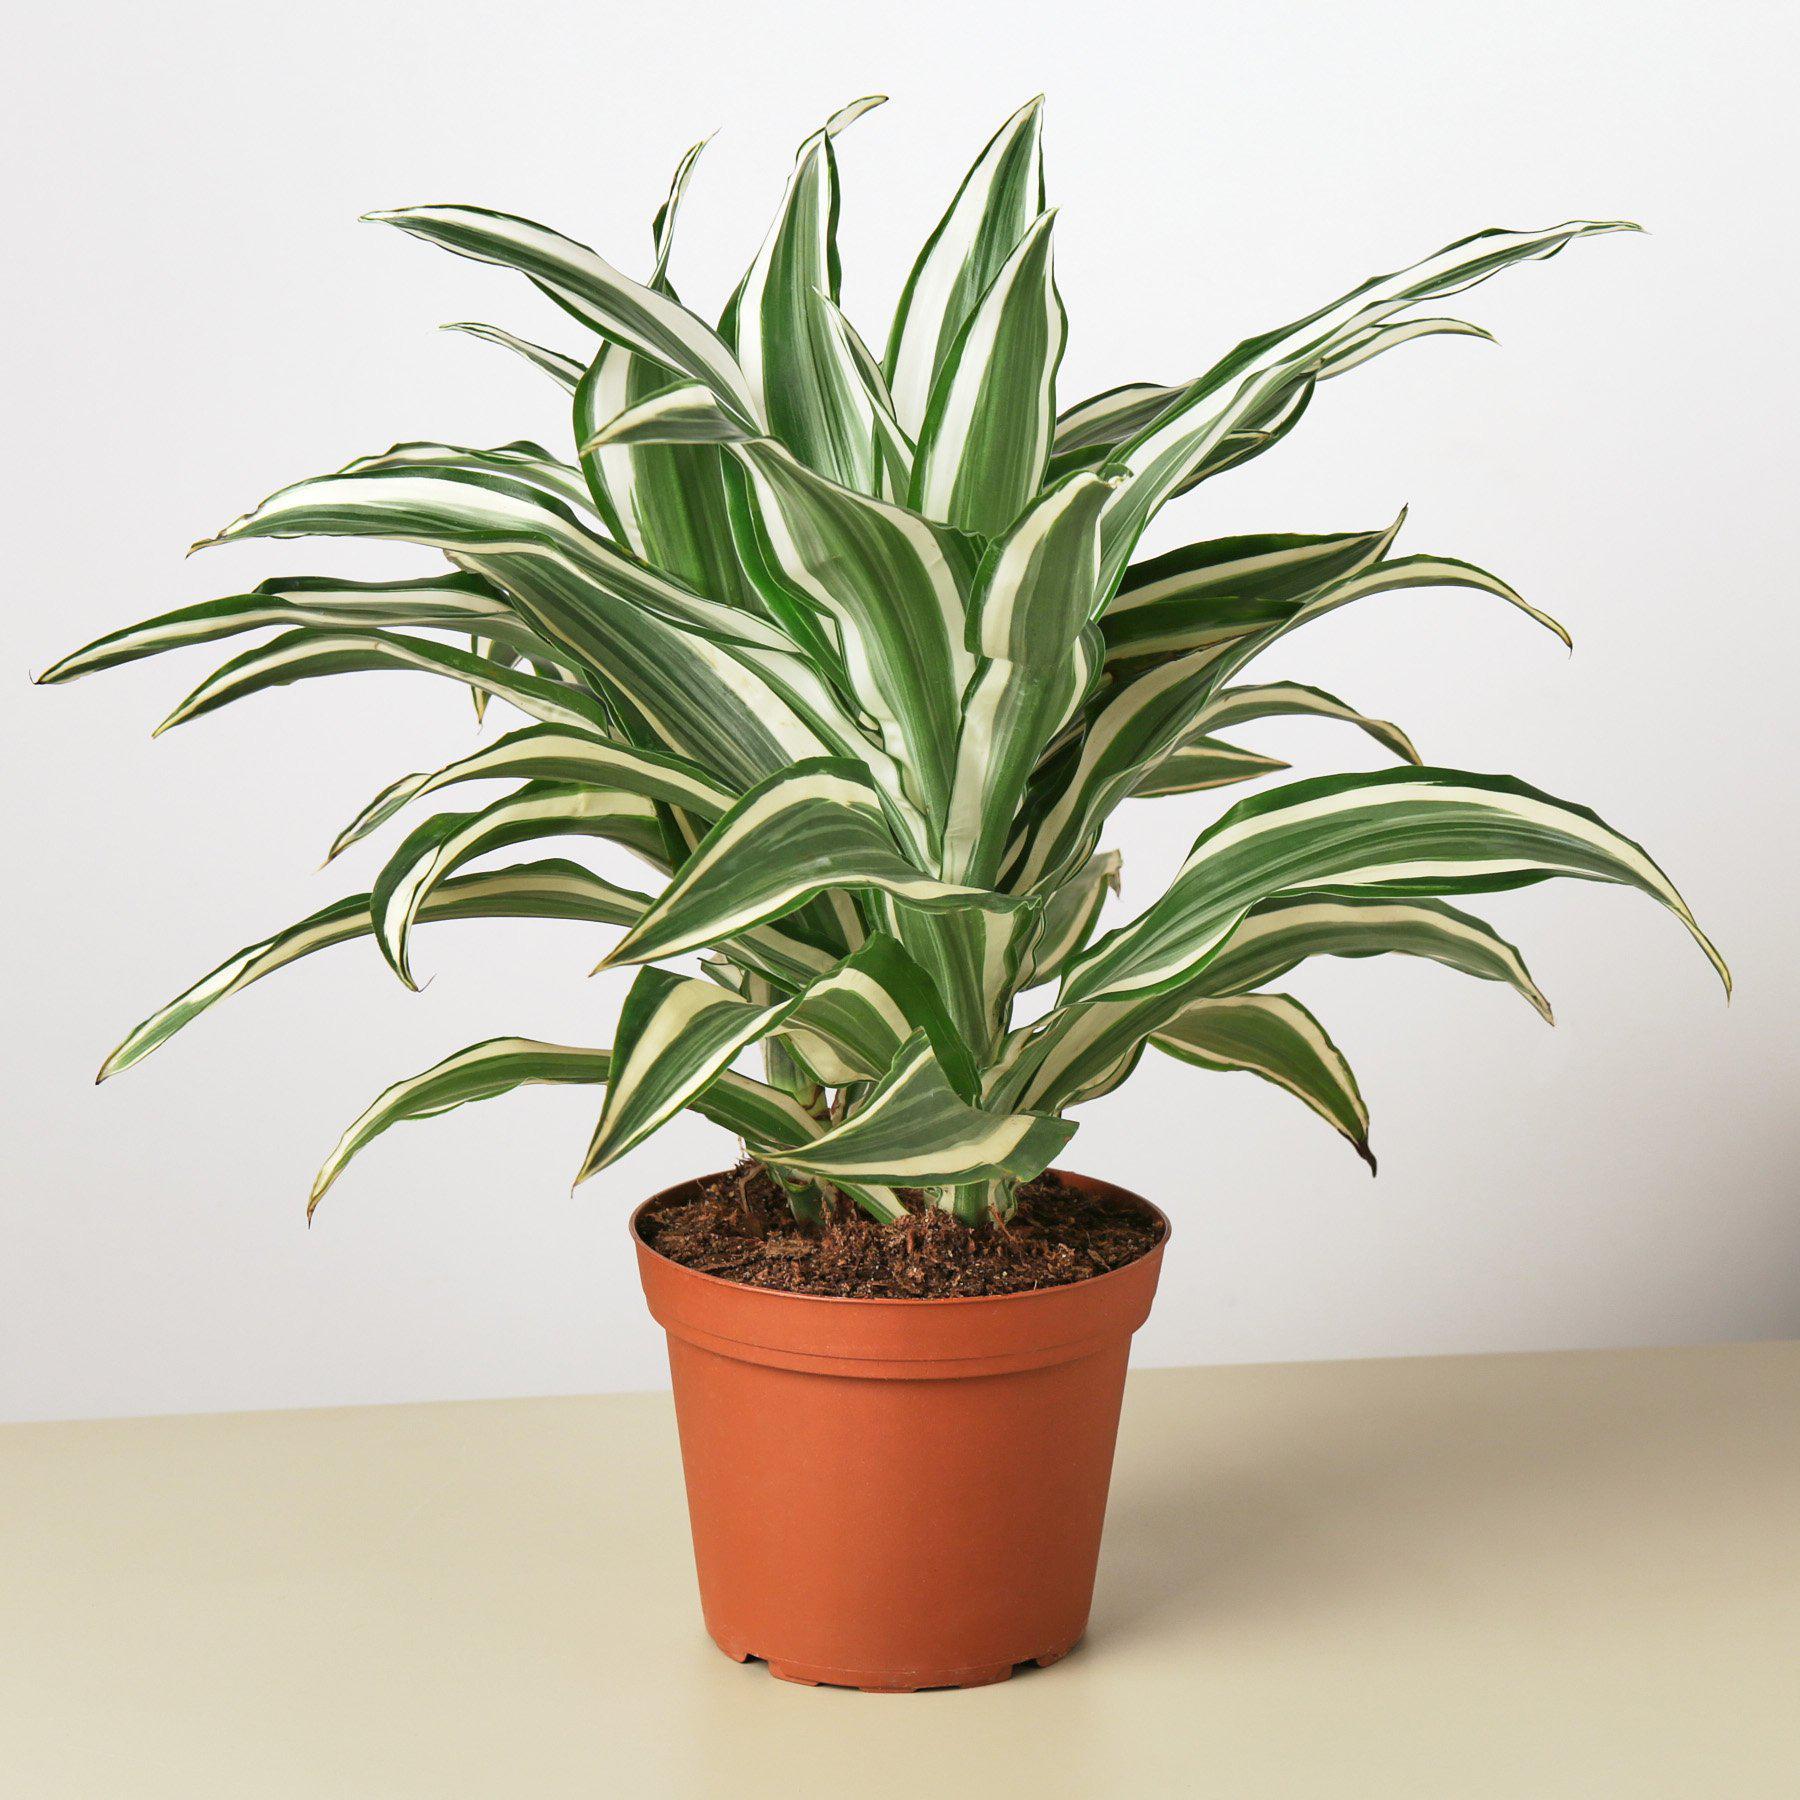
point(1038, 657)
point(446, 841)
point(565, 371)
point(999, 197)
point(499, 1065)
point(1274, 1036)
point(552, 889)
point(781, 325)
point(552, 753)
point(914, 1130)
point(452, 602)
point(621, 310)
point(1397, 832)
point(1254, 379)
point(815, 827)
point(986, 436)
point(1277, 935)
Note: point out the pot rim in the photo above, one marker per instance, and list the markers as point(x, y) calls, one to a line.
point(1085, 1285)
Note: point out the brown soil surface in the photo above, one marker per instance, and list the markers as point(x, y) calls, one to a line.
point(739, 1226)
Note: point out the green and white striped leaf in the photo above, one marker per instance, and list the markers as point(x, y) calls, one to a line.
point(565, 371)
point(888, 587)
point(1277, 935)
point(1038, 657)
point(676, 1034)
point(1293, 699)
point(1088, 431)
point(998, 199)
point(985, 440)
point(552, 889)
point(850, 1024)
point(1134, 727)
point(1216, 592)
point(1274, 1036)
point(301, 655)
point(664, 503)
point(1398, 832)
point(552, 753)
point(452, 602)
point(1145, 714)
point(679, 414)
point(625, 312)
point(500, 1065)
point(781, 325)
point(445, 842)
point(1386, 578)
point(1262, 372)
point(813, 828)
point(706, 681)
point(1091, 431)
point(1069, 918)
point(1200, 764)
point(914, 1130)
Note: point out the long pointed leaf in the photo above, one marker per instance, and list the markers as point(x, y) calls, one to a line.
point(986, 437)
point(586, 286)
point(781, 326)
point(812, 828)
point(551, 753)
point(499, 1065)
point(1274, 1036)
point(1397, 832)
point(1254, 378)
point(1277, 935)
point(999, 197)
point(443, 843)
point(1033, 597)
point(552, 889)
point(301, 655)
point(914, 1130)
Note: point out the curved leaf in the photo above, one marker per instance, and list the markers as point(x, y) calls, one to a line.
point(986, 436)
point(552, 889)
point(588, 287)
point(565, 371)
point(499, 1065)
point(999, 197)
point(1397, 832)
point(1262, 372)
point(452, 602)
point(810, 829)
point(781, 326)
point(1034, 593)
point(1277, 935)
point(551, 753)
point(1274, 1036)
point(301, 655)
point(914, 1130)
point(443, 843)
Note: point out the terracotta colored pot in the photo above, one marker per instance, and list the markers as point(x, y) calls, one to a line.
point(897, 1494)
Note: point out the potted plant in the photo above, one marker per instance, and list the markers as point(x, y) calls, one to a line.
point(855, 654)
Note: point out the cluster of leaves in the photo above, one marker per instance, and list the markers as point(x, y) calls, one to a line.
point(852, 652)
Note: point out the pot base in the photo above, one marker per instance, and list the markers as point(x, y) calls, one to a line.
point(909, 1681)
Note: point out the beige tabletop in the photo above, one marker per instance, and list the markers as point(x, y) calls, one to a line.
point(1525, 1577)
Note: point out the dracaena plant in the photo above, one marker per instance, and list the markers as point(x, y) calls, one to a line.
point(854, 652)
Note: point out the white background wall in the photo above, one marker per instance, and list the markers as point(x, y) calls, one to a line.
point(195, 317)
